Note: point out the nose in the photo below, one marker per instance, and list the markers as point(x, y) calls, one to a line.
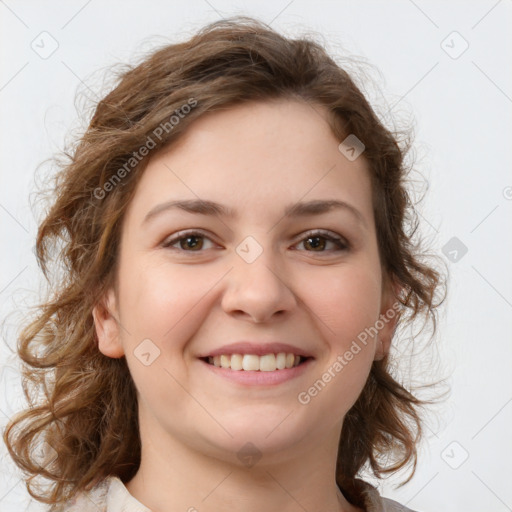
point(257, 291)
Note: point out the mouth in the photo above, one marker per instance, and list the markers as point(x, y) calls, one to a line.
point(261, 371)
point(257, 363)
point(270, 362)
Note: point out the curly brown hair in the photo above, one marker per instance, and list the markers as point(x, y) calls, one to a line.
point(89, 411)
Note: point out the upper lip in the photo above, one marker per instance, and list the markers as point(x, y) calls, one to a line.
point(259, 349)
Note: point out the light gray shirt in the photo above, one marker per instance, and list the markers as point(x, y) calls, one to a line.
point(111, 495)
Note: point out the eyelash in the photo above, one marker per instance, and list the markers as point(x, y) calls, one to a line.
point(341, 243)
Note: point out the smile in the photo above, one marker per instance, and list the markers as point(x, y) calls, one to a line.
point(252, 369)
point(253, 362)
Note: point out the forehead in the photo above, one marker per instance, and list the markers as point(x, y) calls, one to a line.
point(255, 158)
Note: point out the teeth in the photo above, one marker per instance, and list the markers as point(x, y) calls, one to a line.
point(225, 361)
point(268, 363)
point(281, 361)
point(251, 362)
point(237, 362)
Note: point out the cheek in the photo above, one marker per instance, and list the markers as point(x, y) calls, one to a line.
point(164, 304)
point(161, 301)
point(345, 300)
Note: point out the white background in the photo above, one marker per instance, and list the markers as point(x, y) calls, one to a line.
point(461, 109)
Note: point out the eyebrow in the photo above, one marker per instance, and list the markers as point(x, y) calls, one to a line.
point(211, 208)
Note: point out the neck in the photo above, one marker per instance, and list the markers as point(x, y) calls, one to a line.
point(174, 476)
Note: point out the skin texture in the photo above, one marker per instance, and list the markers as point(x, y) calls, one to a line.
point(257, 159)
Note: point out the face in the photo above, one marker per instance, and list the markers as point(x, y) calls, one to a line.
point(248, 277)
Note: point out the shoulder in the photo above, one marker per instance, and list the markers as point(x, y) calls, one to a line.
point(94, 500)
point(374, 502)
point(110, 495)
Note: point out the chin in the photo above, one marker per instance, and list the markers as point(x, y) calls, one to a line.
point(265, 433)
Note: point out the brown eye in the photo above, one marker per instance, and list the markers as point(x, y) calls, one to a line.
point(318, 243)
point(318, 240)
point(191, 242)
point(187, 242)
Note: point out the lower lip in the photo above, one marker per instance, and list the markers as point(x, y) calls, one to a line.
point(259, 378)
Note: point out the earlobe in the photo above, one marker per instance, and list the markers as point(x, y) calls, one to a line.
point(388, 319)
point(106, 325)
point(380, 351)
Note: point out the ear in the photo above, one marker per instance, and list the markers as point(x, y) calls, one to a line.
point(388, 317)
point(106, 323)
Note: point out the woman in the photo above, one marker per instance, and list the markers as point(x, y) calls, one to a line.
point(234, 238)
